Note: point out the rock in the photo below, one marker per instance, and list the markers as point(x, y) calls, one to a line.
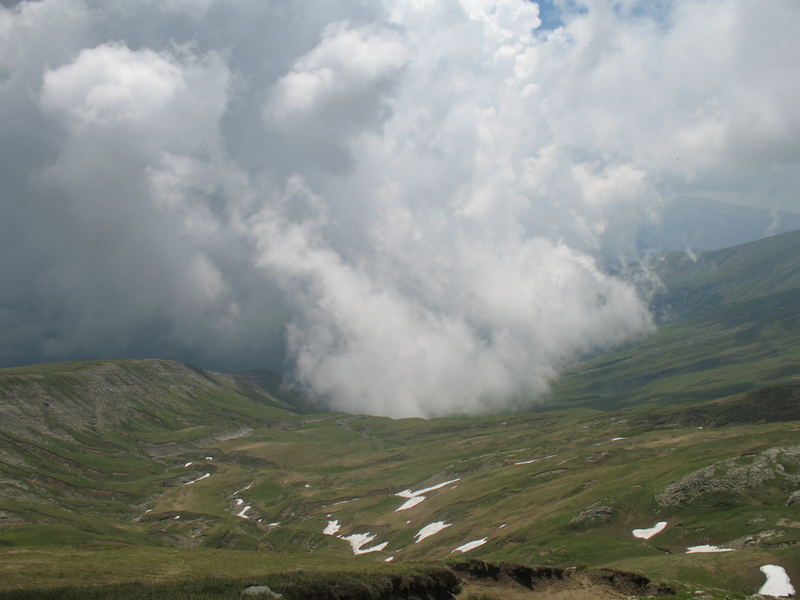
point(598, 513)
point(261, 590)
point(793, 497)
point(734, 476)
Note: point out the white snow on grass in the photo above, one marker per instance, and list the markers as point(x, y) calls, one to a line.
point(239, 501)
point(198, 479)
point(307, 485)
point(777, 584)
point(274, 524)
point(410, 503)
point(502, 525)
point(470, 545)
point(533, 460)
point(616, 439)
point(359, 540)
point(429, 530)
point(331, 528)
point(243, 513)
point(188, 464)
point(646, 534)
point(244, 489)
point(209, 458)
point(388, 559)
point(706, 548)
point(415, 497)
point(409, 494)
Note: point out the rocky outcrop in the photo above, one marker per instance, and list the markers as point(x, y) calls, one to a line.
point(734, 476)
point(528, 577)
point(438, 583)
point(599, 513)
point(543, 578)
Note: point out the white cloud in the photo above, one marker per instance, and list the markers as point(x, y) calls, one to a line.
point(111, 83)
point(347, 62)
point(408, 203)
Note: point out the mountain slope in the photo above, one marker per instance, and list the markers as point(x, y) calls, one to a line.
point(556, 488)
point(699, 283)
point(97, 438)
point(729, 323)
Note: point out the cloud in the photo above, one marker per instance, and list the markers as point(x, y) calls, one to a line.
point(344, 64)
point(110, 83)
point(408, 206)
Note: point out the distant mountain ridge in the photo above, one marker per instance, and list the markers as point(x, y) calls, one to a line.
point(699, 282)
point(729, 322)
point(704, 224)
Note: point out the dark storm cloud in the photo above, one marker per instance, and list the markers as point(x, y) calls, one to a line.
point(406, 204)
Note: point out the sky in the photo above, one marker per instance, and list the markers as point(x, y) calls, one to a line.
point(406, 205)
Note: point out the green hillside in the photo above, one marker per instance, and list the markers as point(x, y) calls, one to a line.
point(95, 504)
point(730, 324)
point(726, 278)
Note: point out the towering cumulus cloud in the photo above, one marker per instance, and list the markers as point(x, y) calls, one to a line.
point(409, 205)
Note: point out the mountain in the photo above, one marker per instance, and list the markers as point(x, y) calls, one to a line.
point(705, 224)
point(729, 323)
point(114, 473)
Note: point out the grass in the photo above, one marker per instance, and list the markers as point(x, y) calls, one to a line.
point(578, 465)
point(120, 573)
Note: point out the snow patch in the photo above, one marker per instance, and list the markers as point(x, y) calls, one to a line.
point(706, 548)
point(409, 494)
point(332, 527)
point(533, 460)
point(646, 534)
point(429, 530)
point(359, 540)
point(470, 545)
point(208, 457)
point(388, 559)
point(616, 439)
point(198, 479)
point(244, 489)
point(777, 584)
point(502, 525)
point(410, 503)
point(243, 513)
point(239, 501)
point(188, 464)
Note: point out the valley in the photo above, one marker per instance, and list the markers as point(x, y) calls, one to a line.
point(677, 457)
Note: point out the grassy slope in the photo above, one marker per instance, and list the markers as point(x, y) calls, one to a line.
point(349, 467)
point(82, 445)
point(732, 325)
point(724, 278)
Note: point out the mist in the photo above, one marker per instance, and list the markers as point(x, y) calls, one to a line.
point(408, 207)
